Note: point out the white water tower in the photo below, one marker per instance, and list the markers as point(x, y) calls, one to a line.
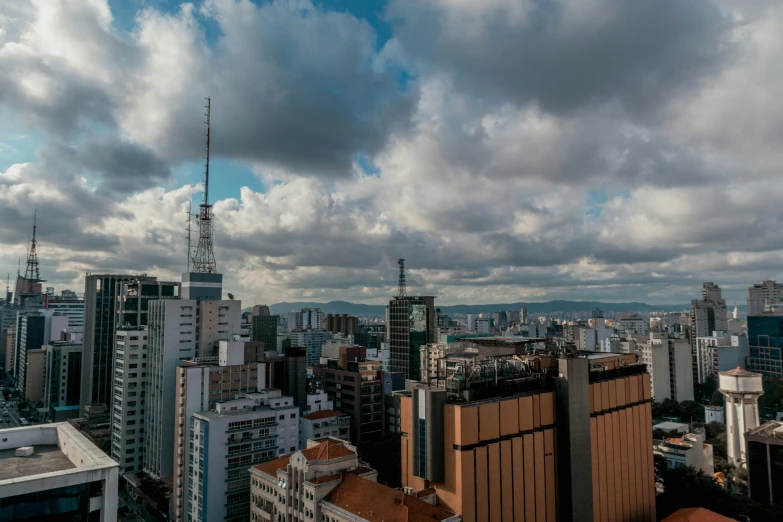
point(742, 390)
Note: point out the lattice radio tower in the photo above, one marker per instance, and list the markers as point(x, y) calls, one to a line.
point(31, 273)
point(401, 290)
point(204, 258)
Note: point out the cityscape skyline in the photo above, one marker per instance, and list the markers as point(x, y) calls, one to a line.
point(634, 179)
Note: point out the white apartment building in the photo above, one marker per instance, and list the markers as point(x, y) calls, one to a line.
point(306, 318)
point(254, 428)
point(313, 340)
point(764, 294)
point(632, 324)
point(72, 308)
point(128, 411)
point(318, 401)
point(58, 467)
point(687, 450)
point(669, 363)
point(201, 384)
point(172, 337)
point(324, 423)
point(720, 352)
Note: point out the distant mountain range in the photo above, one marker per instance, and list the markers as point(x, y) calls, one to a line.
point(344, 307)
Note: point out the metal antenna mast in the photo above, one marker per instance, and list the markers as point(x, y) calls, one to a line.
point(190, 215)
point(31, 273)
point(204, 259)
point(401, 291)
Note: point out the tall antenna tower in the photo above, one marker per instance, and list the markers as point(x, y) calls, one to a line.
point(190, 248)
point(204, 258)
point(31, 273)
point(401, 290)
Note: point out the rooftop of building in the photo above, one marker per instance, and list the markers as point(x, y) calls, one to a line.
point(47, 458)
point(740, 372)
point(327, 449)
point(372, 501)
point(696, 515)
point(773, 429)
point(271, 467)
point(512, 340)
point(56, 448)
point(323, 414)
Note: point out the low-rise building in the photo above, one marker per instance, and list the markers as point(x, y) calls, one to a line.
point(52, 471)
point(328, 482)
point(318, 401)
point(714, 414)
point(324, 423)
point(249, 430)
point(687, 450)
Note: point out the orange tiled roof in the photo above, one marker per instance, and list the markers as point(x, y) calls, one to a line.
point(719, 477)
point(323, 414)
point(334, 476)
point(327, 450)
point(271, 467)
point(696, 515)
point(376, 502)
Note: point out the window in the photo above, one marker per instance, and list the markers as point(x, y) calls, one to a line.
point(293, 415)
point(281, 417)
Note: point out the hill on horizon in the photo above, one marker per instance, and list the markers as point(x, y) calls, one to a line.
point(345, 307)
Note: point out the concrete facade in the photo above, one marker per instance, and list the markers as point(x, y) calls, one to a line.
point(63, 458)
point(128, 408)
point(254, 428)
point(742, 390)
point(764, 294)
point(720, 352)
point(323, 423)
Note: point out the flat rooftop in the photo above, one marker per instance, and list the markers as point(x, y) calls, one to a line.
point(47, 459)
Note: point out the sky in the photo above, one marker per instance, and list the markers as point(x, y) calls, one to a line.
point(509, 150)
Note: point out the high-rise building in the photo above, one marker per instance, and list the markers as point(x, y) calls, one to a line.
point(32, 335)
point(742, 390)
point(63, 379)
point(534, 438)
point(264, 329)
point(246, 431)
point(100, 316)
point(306, 318)
point(342, 323)
point(35, 375)
point(260, 310)
point(764, 294)
point(719, 353)
point(669, 364)
point(200, 384)
point(172, 337)
point(128, 409)
point(708, 315)
point(411, 325)
point(313, 340)
point(9, 348)
point(355, 385)
point(500, 320)
point(67, 304)
point(765, 344)
point(765, 463)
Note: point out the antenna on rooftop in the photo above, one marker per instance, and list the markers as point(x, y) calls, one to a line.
point(401, 290)
point(31, 273)
point(204, 259)
point(190, 215)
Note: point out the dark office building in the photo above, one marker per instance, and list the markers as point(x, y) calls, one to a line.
point(369, 339)
point(342, 323)
point(355, 385)
point(765, 338)
point(411, 324)
point(112, 300)
point(765, 463)
point(31, 328)
point(264, 329)
point(296, 375)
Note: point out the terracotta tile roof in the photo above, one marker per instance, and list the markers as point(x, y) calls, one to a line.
point(378, 503)
point(719, 477)
point(271, 467)
point(334, 476)
point(327, 450)
point(323, 414)
point(696, 515)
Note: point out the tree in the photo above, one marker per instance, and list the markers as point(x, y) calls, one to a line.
point(691, 411)
point(704, 391)
point(717, 398)
point(772, 400)
point(688, 487)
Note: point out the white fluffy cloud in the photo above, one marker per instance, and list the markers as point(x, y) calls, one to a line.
point(529, 151)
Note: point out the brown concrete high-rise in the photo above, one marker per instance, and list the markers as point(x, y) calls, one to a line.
point(534, 439)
